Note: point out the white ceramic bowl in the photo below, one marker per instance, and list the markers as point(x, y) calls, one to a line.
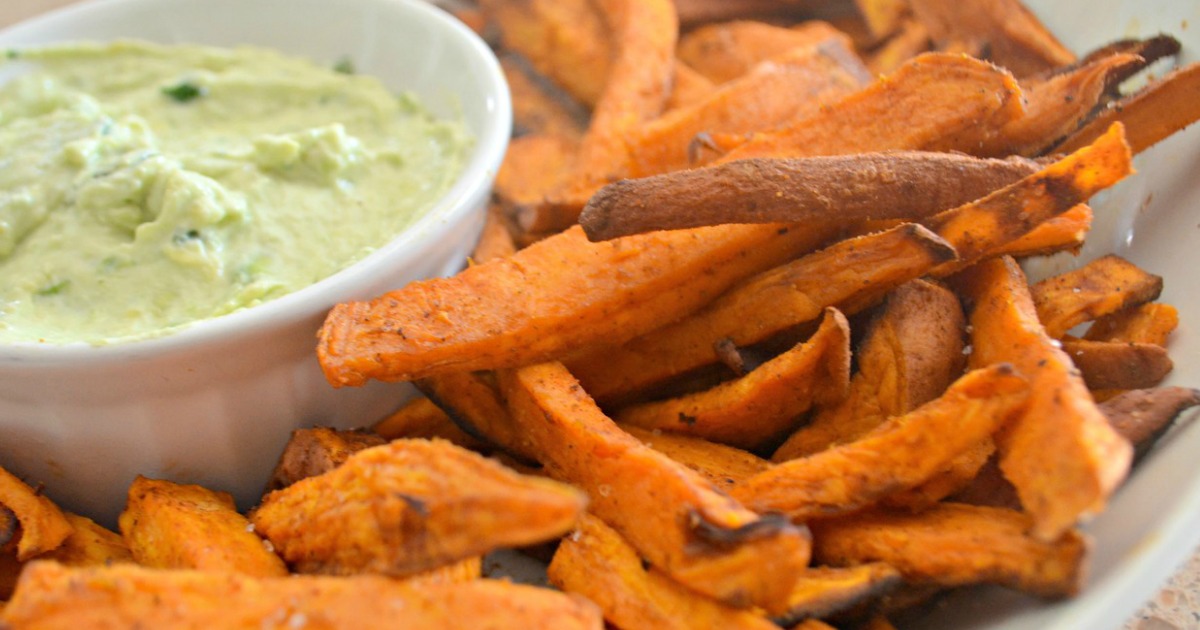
point(214, 403)
point(1152, 525)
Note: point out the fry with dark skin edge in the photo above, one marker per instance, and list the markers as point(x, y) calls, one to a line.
point(182, 526)
point(1144, 323)
point(953, 544)
point(982, 227)
point(597, 563)
point(310, 452)
point(771, 302)
point(1063, 233)
point(933, 102)
point(554, 296)
point(51, 597)
point(1118, 364)
point(1012, 35)
point(422, 418)
point(904, 185)
point(43, 525)
point(410, 506)
point(674, 518)
point(756, 409)
point(825, 591)
point(1103, 286)
point(1061, 454)
point(777, 91)
point(912, 351)
point(901, 453)
point(539, 106)
point(474, 405)
point(1153, 113)
point(1143, 415)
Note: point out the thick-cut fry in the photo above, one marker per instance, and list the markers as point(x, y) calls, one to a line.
point(565, 40)
point(495, 241)
point(953, 545)
point(785, 88)
point(935, 102)
point(1144, 323)
point(771, 302)
point(1118, 365)
point(1056, 107)
point(422, 418)
point(982, 227)
point(556, 295)
point(539, 107)
point(43, 525)
point(760, 407)
point(1009, 32)
point(472, 403)
point(644, 35)
point(594, 561)
point(182, 526)
point(457, 572)
point(905, 185)
point(52, 597)
point(912, 351)
point(89, 545)
point(901, 453)
point(688, 87)
point(1103, 286)
point(670, 514)
point(723, 466)
point(725, 51)
point(410, 506)
point(532, 169)
point(1142, 415)
point(310, 452)
point(1061, 453)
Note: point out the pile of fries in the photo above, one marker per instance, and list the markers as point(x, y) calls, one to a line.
point(746, 343)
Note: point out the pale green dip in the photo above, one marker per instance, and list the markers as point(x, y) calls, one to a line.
point(146, 187)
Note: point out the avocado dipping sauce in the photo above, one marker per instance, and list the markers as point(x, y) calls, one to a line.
point(145, 187)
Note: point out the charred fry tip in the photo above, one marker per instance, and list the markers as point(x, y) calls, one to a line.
point(713, 535)
point(702, 141)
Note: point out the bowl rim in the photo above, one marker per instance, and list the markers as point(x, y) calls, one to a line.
point(312, 301)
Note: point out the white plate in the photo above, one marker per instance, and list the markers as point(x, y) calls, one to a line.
point(1152, 525)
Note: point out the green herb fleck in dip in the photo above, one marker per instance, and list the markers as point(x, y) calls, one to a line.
point(146, 187)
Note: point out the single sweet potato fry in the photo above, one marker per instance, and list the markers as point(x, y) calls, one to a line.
point(910, 40)
point(728, 50)
point(644, 34)
point(953, 544)
point(496, 240)
point(89, 545)
point(1010, 33)
point(43, 525)
point(824, 591)
point(1105, 285)
point(182, 526)
point(539, 106)
point(596, 562)
point(674, 518)
point(1061, 454)
point(934, 102)
point(758, 408)
point(532, 169)
point(1150, 115)
point(1063, 233)
point(1152, 323)
point(310, 452)
point(899, 454)
point(792, 85)
point(771, 302)
point(410, 506)
point(456, 572)
point(723, 466)
point(982, 227)
point(1142, 415)
point(422, 418)
point(52, 597)
point(556, 295)
point(567, 41)
point(1057, 106)
point(904, 185)
point(472, 403)
point(1118, 364)
point(912, 351)
point(688, 87)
